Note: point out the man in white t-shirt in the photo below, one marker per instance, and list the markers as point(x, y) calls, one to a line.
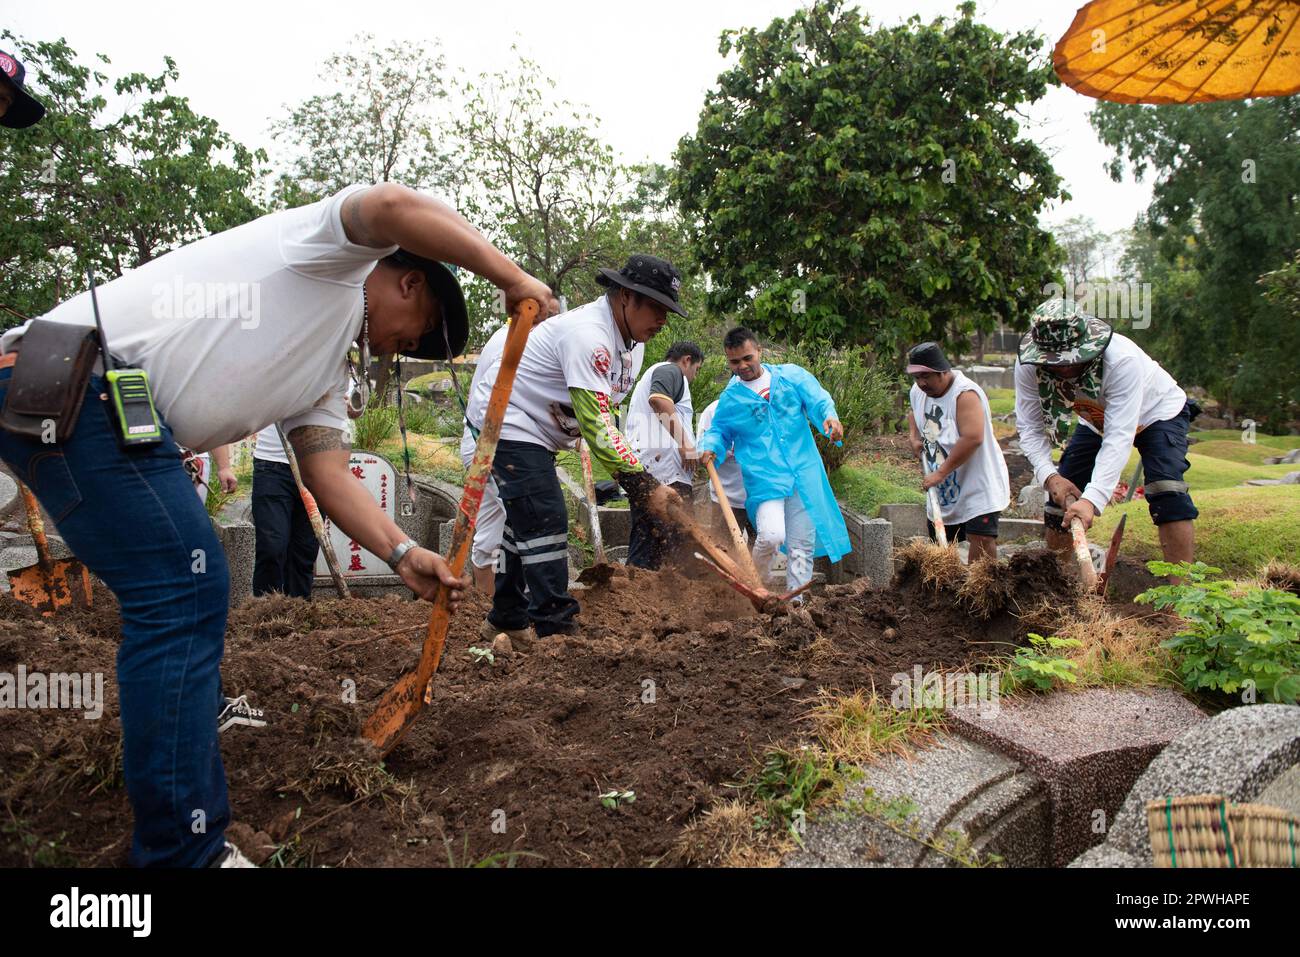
point(1071, 363)
point(951, 428)
point(659, 418)
point(236, 331)
point(576, 370)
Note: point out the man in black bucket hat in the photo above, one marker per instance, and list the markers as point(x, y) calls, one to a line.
point(18, 109)
point(1072, 364)
point(235, 331)
point(650, 276)
point(575, 372)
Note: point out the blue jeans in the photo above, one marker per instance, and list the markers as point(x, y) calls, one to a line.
point(132, 517)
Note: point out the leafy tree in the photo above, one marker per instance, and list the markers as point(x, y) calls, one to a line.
point(1084, 247)
point(534, 174)
point(871, 186)
point(377, 123)
point(1227, 181)
point(90, 187)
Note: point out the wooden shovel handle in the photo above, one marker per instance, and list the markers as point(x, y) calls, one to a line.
point(940, 530)
point(593, 510)
point(36, 525)
point(402, 703)
point(313, 516)
point(1082, 554)
point(737, 540)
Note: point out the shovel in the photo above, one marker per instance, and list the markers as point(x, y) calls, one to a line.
point(49, 584)
point(1082, 554)
point(736, 538)
point(313, 516)
point(402, 703)
point(718, 560)
point(593, 510)
point(1112, 554)
point(932, 496)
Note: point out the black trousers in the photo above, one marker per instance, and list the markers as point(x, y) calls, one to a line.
point(651, 539)
point(534, 585)
point(286, 543)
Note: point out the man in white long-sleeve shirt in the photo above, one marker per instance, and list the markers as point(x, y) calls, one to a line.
point(1072, 363)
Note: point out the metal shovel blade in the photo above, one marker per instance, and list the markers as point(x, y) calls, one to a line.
point(65, 585)
point(1112, 554)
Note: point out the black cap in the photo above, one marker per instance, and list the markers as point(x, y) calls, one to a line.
point(650, 276)
point(453, 332)
point(24, 111)
point(927, 357)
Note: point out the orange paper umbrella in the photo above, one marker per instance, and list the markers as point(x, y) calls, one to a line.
point(1182, 51)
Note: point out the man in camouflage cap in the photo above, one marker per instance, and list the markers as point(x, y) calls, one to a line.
point(1071, 363)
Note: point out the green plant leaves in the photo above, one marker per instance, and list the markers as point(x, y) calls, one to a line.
point(1236, 637)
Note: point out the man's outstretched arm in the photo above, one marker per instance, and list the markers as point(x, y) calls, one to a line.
point(323, 463)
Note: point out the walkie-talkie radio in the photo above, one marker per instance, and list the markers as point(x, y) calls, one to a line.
point(128, 389)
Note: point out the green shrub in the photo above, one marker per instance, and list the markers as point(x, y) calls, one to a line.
point(1238, 638)
point(427, 418)
point(375, 425)
point(1037, 668)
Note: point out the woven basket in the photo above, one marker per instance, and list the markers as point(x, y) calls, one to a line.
point(1204, 830)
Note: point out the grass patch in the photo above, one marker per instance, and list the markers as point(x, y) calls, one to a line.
point(1208, 472)
point(1240, 452)
point(421, 383)
point(862, 726)
point(866, 485)
point(428, 456)
point(1284, 442)
point(1239, 530)
point(1110, 651)
point(789, 786)
point(1001, 401)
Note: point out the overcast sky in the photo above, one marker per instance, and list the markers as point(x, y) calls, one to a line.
point(642, 68)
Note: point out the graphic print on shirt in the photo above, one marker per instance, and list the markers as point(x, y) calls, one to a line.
point(602, 363)
point(949, 489)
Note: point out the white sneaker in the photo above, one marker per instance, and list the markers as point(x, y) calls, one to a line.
point(232, 856)
point(239, 711)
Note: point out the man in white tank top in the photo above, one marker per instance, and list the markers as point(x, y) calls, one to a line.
point(952, 431)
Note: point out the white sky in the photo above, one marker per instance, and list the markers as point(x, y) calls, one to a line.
point(643, 68)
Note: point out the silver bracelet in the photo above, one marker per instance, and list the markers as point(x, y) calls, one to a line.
point(399, 553)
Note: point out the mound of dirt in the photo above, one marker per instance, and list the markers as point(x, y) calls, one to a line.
point(672, 690)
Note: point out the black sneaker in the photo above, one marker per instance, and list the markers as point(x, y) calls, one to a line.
point(239, 711)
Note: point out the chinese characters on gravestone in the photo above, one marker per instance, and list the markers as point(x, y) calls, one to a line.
point(379, 478)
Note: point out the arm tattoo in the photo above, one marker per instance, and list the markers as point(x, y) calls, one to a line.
point(310, 439)
point(353, 225)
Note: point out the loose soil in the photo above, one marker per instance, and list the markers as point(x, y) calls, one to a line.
point(673, 689)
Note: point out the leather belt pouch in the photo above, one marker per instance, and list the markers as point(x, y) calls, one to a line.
point(48, 384)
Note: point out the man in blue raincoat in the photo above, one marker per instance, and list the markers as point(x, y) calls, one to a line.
point(764, 412)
